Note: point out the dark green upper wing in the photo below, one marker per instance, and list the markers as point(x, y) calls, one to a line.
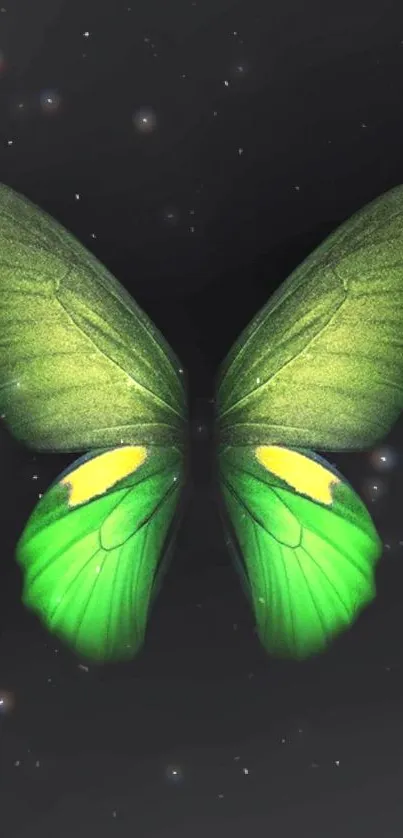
point(321, 365)
point(81, 366)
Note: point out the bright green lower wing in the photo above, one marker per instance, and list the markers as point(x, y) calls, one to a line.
point(92, 548)
point(306, 543)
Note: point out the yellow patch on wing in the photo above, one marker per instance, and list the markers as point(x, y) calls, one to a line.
point(305, 476)
point(94, 477)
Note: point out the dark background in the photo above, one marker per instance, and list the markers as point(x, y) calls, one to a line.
point(267, 125)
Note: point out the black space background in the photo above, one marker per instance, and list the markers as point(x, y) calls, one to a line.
point(260, 747)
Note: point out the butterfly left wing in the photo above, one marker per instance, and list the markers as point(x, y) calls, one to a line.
point(304, 541)
point(92, 548)
point(82, 368)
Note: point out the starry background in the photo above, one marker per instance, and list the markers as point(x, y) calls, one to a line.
point(201, 150)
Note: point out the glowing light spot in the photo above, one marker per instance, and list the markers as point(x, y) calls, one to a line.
point(7, 701)
point(384, 458)
point(374, 490)
point(96, 476)
point(50, 101)
point(170, 215)
point(144, 120)
point(305, 476)
point(174, 773)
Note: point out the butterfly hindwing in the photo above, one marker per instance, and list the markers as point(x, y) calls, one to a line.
point(93, 545)
point(305, 541)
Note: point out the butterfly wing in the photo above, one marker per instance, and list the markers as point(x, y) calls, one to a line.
point(305, 543)
point(321, 366)
point(81, 366)
point(83, 369)
point(92, 548)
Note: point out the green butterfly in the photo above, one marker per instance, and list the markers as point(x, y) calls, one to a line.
point(83, 369)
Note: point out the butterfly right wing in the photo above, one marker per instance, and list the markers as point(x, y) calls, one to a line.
point(320, 367)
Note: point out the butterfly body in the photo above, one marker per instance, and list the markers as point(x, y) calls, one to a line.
point(320, 368)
